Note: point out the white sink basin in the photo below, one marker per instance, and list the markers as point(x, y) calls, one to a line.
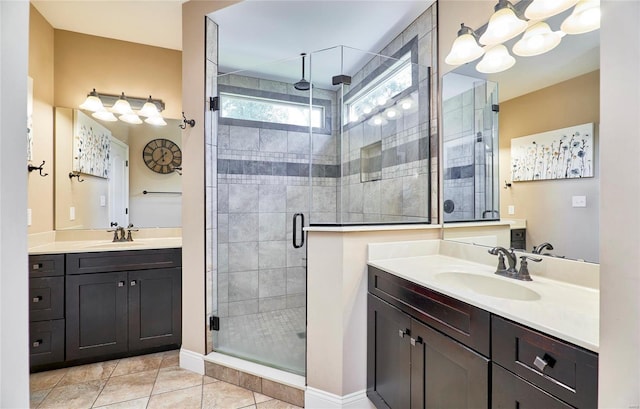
point(488, 285)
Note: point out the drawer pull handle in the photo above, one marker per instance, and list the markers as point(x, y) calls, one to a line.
point(542, 363)
point(37, 343)
point(403, 332)
point(120, 283)
point(37, 266)
point(133, 283)
point(37, 299)
point(415, 341)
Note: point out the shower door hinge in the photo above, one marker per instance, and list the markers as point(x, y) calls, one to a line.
point(214, 103)
point(214, 323)
point(495, 108)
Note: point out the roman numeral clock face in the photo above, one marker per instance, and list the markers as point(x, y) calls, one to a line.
point(162, 156)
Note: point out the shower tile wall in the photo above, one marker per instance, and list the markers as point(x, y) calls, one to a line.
point(409, 144)
point(467, 129)
point(262, 177)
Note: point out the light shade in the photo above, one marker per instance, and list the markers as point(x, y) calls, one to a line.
point(543, 9)
point(465, 49)
point(496, 59)
point(104, 115)
point(155, 120)
point(377, 120)
point(584, 18)
point(538, 39)
point(122, 106)
point(130, 118)
point(149, 109)
point(503, 25)
point(93, 102)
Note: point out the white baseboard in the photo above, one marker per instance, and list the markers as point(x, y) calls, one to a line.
point(318, 399)
point(192, 361)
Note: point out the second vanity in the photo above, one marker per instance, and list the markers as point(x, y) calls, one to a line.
point(444, 331)
point(95, 300)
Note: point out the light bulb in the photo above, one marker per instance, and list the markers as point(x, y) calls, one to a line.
point(465, 48)
point(503, 25)
point(406, 103)
point(149, 109)
point(122, 106)
point(497, 59)
point(93, 102)
point(538, 39)
point(392, 113)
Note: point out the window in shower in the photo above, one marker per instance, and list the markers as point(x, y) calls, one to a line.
point(380, 91)
point(270, 110)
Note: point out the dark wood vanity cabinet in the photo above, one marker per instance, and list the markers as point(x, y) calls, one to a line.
point(136, 308)
point(103, 305)
point(428, 350)
point(412, 365)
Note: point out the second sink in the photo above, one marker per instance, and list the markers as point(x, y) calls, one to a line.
point(488, 285)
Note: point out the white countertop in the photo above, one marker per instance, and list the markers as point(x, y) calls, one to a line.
point(564, 310)
point(85, 246)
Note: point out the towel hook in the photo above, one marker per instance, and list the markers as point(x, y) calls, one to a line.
point(40, 168)
point(75, 175)
point(186, 122)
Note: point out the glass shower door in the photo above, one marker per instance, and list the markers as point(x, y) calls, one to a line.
point(263, 203)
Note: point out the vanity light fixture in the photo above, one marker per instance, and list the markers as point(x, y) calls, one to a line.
point(104, 105)
point(496, 59)
point(543, 9)
point(465, 48)
point(503, 25)
point(584, 18)
point(538, 39)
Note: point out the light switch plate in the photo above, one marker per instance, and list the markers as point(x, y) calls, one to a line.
point(511, 210)
point(579, 201)
point(103, 200)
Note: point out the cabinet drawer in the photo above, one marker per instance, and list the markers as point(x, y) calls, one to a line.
point(461, 321)
point(46, 342)
point(571, 373)
point(46, 265)
point(46, 298)
point(110, 261)
point(509, 391)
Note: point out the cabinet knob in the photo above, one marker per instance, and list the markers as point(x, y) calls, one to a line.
point(37, 299)
point(37, 343)
point(37, 266)
point(133, 283)
point(415, 341)
point(542, 363)
point(403, 332)
point(120, 283)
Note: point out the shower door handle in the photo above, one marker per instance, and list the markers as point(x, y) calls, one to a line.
point(297, 245)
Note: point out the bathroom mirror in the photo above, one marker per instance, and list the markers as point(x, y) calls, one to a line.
point(147, 198)
point(543, 93)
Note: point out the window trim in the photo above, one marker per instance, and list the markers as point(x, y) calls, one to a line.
point(276, 97)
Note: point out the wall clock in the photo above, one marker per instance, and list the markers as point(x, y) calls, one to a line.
point(162, 156)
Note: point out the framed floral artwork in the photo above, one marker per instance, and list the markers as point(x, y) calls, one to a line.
point(565, 153)
point(91, 146)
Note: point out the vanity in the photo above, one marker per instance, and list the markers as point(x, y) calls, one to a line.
point(444, 331)
point(95, 300)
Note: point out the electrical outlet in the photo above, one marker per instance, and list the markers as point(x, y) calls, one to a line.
point(511, 210)
point(72, 213)
point(578, 201)
point(103, 200)
point(28, 217)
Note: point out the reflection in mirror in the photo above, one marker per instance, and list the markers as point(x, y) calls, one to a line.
point(556, 90)
point(94, 202)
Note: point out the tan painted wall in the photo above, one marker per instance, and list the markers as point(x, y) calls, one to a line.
point(84, 62)
point(546, 205)
point(40, 189)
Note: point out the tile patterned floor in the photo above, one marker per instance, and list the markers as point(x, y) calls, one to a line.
point(152, 381)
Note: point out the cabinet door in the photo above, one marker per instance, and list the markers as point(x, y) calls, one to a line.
point(155, 303)
point(96, 314)
point(388, 355)
point(445, 373)
point(509, 391)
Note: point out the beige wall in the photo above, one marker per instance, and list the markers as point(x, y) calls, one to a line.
point(84, 62)
point(40, 196)
point(546, 205)
point(619, 374)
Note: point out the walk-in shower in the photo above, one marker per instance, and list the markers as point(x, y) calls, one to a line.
point(353, 149)
point(470, 149)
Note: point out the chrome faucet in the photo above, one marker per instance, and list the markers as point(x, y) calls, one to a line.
point(118, 234)
point(540, 247)
point(511, 271)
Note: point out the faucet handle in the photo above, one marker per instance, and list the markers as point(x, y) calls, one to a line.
point(534, 259)
point(523, 273)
